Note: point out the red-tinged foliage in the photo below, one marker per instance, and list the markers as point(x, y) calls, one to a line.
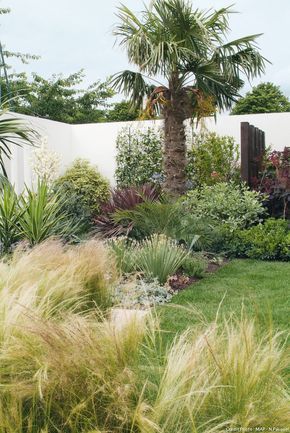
point(122, 199)
point(274, 180)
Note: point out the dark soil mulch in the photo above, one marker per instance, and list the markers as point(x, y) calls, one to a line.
point(180, 281)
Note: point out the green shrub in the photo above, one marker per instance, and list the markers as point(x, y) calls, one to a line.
point(268, 241)
point(195, 265)
point(226, 203)
point(83, 189)
point(212, 158)
point(170, 219)
point(139, 156)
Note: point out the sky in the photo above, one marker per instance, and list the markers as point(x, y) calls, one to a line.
point(70, 35)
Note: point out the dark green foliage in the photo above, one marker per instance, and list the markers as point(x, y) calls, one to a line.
point(195, 265)
point(268, 241)
point(170, 219)
point(60, 98)
point(83, 189)
point(122, 112)
point(264, 98)
point(212, 158)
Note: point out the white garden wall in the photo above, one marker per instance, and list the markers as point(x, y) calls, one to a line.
point(96, 142)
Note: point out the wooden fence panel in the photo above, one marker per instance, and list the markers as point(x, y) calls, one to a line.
point(252, 151)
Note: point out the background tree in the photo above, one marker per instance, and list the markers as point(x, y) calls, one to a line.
point(122, 112)
point(63, 99)
point(60, 98)
point(186, 48)
point(264, 98)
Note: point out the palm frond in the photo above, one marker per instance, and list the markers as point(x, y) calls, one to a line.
point(241, 56)
point(171, 38)
point(13, 132)
point(217, 22)
point(133, 85)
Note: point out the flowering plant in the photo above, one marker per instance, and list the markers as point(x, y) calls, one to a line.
point(45, 163)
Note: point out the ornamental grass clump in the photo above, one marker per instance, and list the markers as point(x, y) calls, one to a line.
point(81, 374)
point(51, 277)
point(124, 254)
point(77, 375)
point(224, 376)
point(160, 257)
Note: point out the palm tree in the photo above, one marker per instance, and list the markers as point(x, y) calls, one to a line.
point(12, 132)
point(186, 48)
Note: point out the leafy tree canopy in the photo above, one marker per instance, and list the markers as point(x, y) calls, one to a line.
point(60, 98)
point(63, 99)
point(122, 112)
point(264, 98)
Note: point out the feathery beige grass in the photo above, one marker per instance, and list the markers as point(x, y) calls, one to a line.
point(83, 375)
point(51, 278)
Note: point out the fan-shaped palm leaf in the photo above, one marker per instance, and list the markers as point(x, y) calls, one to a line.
point(13, 132)
point(188, 49)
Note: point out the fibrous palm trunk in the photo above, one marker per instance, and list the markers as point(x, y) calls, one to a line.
point(175, 145)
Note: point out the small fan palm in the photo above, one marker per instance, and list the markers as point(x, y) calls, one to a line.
point(202, 72)
point(12, 132)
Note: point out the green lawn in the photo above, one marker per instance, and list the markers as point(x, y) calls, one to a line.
point(262, 287)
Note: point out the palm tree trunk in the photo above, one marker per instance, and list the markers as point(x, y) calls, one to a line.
point(175, 147)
